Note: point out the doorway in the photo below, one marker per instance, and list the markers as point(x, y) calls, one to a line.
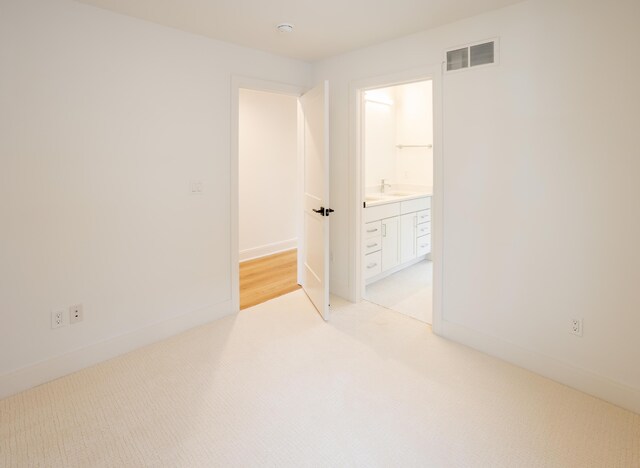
point(397, 177)
point(311, 200)
point(268, 195)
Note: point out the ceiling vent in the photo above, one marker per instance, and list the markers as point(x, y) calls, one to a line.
point(472, 55)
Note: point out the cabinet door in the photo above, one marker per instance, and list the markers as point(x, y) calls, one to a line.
point(390, 234)
point(408, 225)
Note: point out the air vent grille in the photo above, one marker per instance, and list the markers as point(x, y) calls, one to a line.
point(457, 59)
point(472, 55)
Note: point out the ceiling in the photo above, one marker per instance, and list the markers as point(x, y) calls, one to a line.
point(323, 28)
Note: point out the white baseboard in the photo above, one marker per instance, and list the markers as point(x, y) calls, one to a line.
point(580, 379)
point(79, 359)
point(269, 249)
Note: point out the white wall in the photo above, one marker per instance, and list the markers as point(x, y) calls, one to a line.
point(399, 115)
point(540, 185)
point(380, 139)
point(105, 120)
point(267, 172)
point(414, 166)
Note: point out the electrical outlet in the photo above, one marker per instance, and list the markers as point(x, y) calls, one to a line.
point(57, 319)
point(576, 327)
point(76, 314)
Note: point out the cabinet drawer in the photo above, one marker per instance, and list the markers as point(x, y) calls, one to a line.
point(372, 229)
point(424, 216)
point(372, 244)
point(372, 264)
point(375, 213)
point(423, 245)
point(417, 204)
point(423, 229)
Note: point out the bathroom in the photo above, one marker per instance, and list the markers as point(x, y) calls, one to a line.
point(397, 143)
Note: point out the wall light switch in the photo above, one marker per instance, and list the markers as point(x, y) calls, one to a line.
point(196, 186)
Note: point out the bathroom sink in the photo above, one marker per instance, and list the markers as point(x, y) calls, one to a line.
point(392, 196)
point(376, 197)
point(399, 193)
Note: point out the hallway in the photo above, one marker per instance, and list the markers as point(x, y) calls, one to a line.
point(268, 277)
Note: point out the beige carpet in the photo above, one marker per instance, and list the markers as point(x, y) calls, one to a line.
point(276, 386)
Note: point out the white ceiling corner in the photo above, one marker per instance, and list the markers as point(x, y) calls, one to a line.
point(322, 28)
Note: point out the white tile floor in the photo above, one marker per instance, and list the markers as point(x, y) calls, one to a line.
point(409, 291)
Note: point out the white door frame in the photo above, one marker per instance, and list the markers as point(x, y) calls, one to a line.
point(237, 83)
point(356, 94)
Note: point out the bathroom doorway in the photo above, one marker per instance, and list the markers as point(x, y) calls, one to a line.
point(397, 179)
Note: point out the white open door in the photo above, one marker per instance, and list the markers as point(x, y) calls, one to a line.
point(315, 257)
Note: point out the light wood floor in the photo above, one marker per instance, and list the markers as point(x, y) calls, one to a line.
point(268, 277)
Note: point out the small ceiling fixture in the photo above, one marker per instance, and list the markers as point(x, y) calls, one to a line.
point(285, 27)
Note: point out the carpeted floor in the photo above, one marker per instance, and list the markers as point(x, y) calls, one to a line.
point(277, 386)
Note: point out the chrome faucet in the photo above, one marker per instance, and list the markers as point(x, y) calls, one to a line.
point(383, 185)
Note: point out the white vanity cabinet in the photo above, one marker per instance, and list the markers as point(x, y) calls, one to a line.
point(423, 232)
point(372, 249)
point(390, 238)
point(408, 224)
point(396, 235)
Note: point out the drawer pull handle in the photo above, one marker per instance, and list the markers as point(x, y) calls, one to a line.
point(372, 265)
point(372, 230)
point(371, 245)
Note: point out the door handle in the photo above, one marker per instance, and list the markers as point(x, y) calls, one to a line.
point(323, 211)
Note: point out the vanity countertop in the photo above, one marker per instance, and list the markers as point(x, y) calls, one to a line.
point(376, 199)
